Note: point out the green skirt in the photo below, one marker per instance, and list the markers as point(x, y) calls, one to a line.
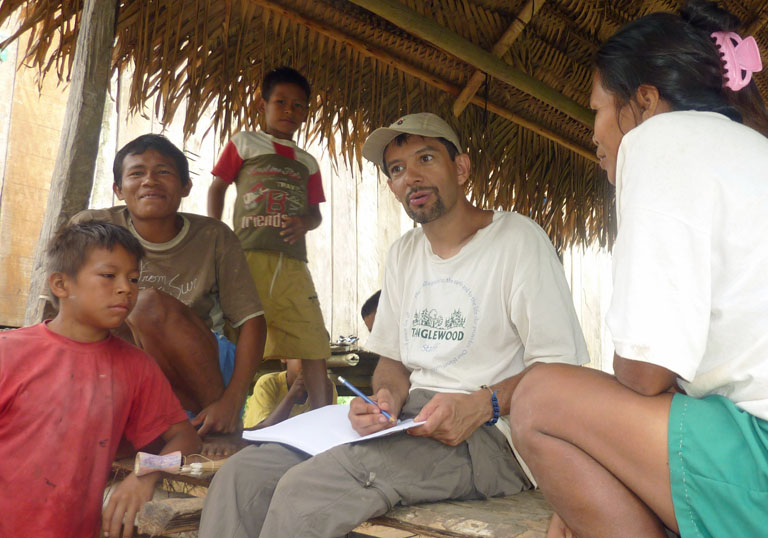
point(718, 465)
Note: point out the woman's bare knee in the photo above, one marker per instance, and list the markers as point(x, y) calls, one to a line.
point(535, 395)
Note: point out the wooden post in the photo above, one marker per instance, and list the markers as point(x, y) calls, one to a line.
point(499, 49)
point(73, 173)
point(430, 31)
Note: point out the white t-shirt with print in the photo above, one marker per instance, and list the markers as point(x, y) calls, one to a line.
point(690, 261)
point(481, 316)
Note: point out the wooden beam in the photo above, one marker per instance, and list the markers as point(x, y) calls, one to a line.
point(79, 142)
point(429, 78)
point(428, 30)
point(499, 49)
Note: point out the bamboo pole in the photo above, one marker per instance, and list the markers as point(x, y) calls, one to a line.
point(428, 30)
point(79, 142)
point(499, 49)
point(429, 78)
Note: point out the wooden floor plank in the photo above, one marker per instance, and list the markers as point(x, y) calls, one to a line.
point(369, 530)
point(525, 515)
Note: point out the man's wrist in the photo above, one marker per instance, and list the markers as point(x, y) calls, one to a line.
point(494, 403)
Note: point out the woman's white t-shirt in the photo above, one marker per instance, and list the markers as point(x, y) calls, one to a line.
point(690, 263)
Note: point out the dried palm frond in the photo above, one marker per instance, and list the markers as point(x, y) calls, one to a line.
point(366, 72)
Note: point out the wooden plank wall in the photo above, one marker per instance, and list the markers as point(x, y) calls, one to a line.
point(7, 80)
point(32, 123)
point(588, 272)
point(346, 253)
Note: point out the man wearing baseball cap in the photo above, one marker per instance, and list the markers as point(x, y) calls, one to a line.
point(471, 299)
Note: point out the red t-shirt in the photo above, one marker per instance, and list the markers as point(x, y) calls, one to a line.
point(274, 179)
point(64, 406)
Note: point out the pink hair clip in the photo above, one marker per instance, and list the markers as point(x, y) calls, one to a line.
point(741, 58)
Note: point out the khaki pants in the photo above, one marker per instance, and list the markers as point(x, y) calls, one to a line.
point(276, 492)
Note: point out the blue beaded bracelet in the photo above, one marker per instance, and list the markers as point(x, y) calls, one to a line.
point(494, 404)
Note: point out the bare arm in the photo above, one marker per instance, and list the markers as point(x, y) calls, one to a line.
point(294, 228)
point(131, 494)
point(394, 377)
point(643, 377)
point(248, 356)
point(391, 382)
point(224, 414)
point(216, 193)
point(296, 394)
point(313, 218)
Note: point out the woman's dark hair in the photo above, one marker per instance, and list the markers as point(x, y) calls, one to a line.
point(676, 54)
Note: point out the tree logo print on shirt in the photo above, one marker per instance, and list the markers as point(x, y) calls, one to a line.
point(432, 326)
point(441, 325)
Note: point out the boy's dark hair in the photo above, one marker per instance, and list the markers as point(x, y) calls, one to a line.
point(371, 304)
point(676, 54)
point(403, 138)
point(284, 75)
point(72, 244)
point(160, 144)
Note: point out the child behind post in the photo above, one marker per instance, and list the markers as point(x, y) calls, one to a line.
point(369, 309)
point(69, 391)
point(278, 396)
point(279, 190)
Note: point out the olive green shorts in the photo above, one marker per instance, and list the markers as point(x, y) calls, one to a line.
point(295, 326)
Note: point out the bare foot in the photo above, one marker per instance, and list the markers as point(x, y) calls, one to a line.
point(222, 445)
point(558, 528)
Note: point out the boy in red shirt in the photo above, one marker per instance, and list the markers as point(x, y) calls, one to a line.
point(69, 391)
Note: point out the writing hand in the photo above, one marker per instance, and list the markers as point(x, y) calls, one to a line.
point(452, 418)
point(367, 418)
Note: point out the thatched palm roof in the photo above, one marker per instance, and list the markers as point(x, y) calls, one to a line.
point(533, 154)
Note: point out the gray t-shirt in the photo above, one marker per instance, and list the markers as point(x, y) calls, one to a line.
point(203, 267)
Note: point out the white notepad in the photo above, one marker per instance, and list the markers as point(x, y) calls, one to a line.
point(319, 430)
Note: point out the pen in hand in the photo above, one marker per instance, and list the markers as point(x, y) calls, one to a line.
point(357, 391)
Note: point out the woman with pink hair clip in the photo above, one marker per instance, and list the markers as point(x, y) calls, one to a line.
point(678, 438)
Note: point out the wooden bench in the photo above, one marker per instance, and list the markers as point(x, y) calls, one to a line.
point(519, 516)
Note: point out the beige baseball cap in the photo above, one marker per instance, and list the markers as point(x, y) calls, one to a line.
point(422, 124)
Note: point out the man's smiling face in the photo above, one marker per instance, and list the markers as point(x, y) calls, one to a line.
point(151, 186)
